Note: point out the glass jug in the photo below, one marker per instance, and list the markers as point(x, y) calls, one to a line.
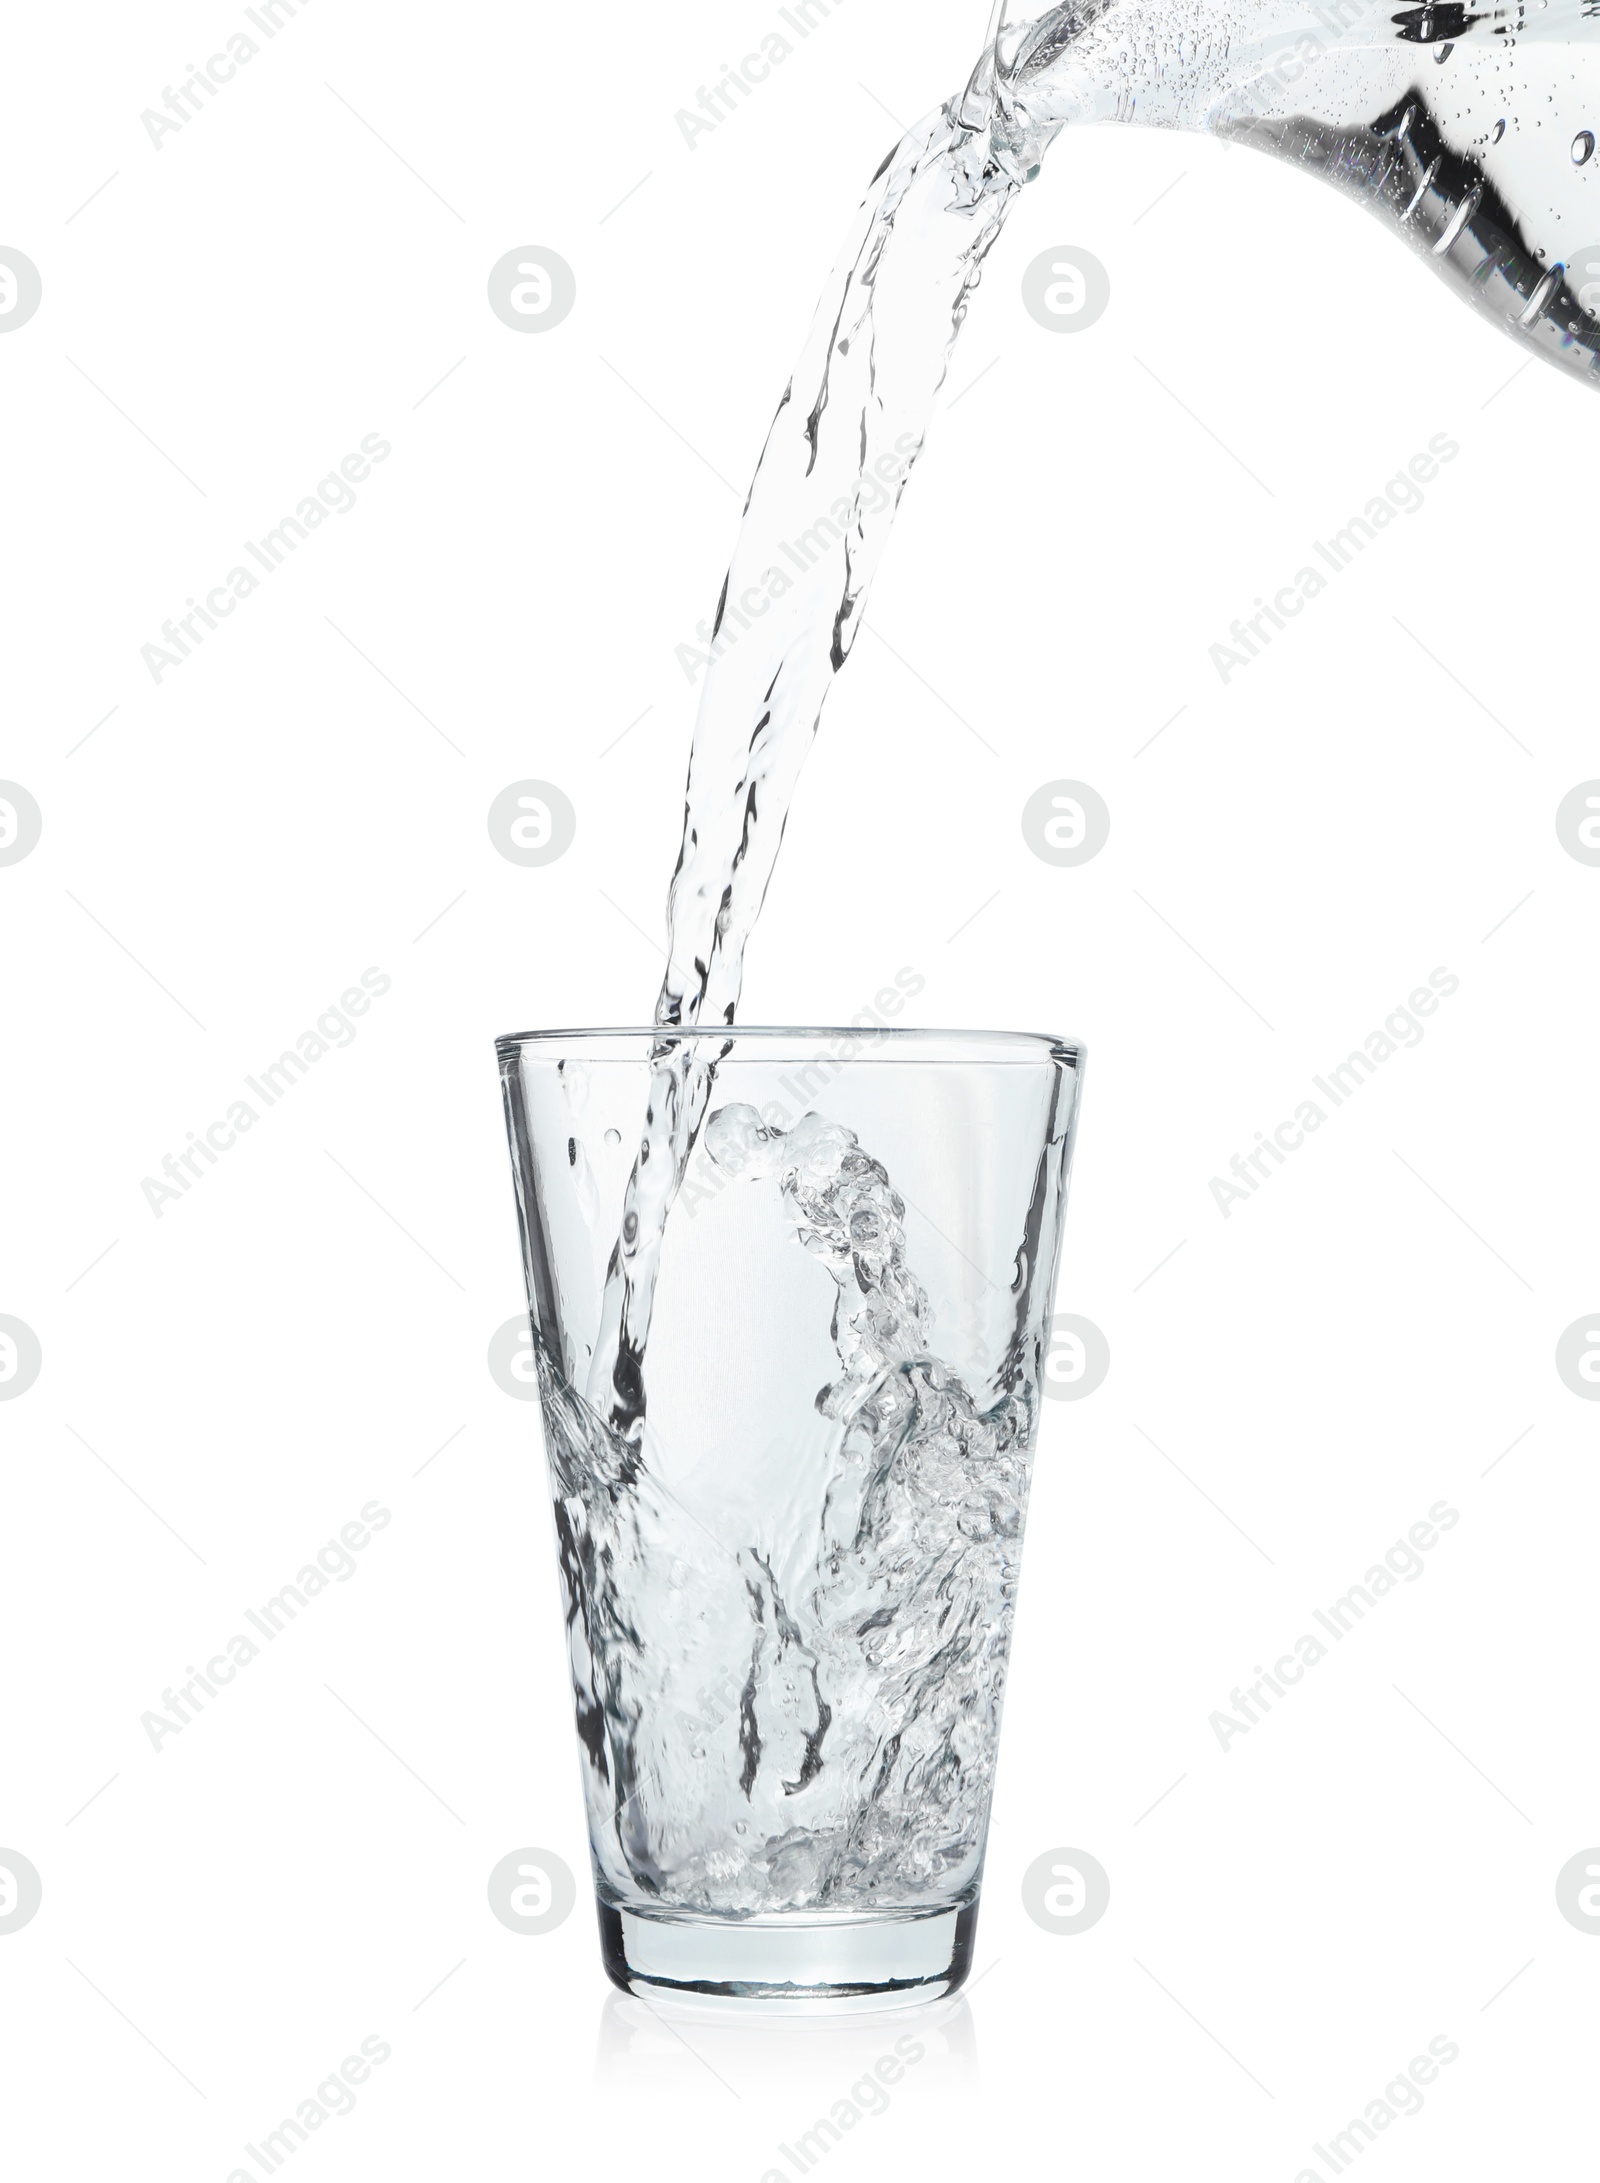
point(1471, 132)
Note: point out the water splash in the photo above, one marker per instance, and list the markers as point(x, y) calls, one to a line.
point(831, 1746)
point(845, 438)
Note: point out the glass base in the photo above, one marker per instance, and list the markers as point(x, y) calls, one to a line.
point(799, 1964)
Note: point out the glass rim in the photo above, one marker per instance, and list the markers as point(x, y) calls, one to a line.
point(631, 1042)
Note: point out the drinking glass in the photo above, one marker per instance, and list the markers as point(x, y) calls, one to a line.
point(789, 1586)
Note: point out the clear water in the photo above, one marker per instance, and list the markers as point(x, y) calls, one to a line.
point(759, 1742)
point(840, 1745)
point(847, 431)
point(1474, 134)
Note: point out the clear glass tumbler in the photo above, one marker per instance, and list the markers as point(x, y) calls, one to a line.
point(789, 1588)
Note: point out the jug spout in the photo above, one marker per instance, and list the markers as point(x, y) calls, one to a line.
point(977, 101)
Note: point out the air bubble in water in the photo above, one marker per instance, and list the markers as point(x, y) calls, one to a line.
point(583, 1181)
point(1583, 147)
point(1497, 132)
point(613, 1138)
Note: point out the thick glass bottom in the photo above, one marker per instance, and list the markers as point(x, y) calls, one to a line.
point(883, 1959)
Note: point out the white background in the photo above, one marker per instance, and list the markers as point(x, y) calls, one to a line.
point(299, 1335)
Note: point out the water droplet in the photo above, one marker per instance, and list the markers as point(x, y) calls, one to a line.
point(1458, 220)
point(1541, 296)
point(1583, 147)
point(1497, 132)
point(1442, 53)
point(613, 1138)
point(1422, 190)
